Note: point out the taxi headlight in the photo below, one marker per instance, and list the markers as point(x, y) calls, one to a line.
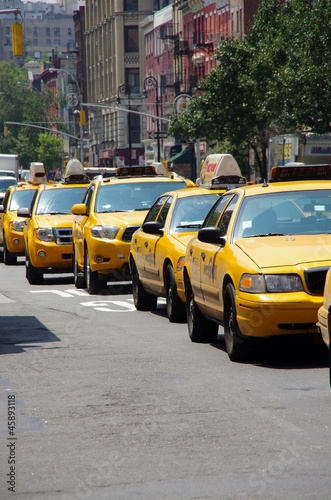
point(44, 234)
point(105, 232)
point(259, 283)
point(18, 225)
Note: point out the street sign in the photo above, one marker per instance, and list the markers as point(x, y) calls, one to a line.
point(154, 135)
point(72, 100)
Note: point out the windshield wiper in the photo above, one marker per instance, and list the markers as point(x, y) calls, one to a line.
point(262, 235)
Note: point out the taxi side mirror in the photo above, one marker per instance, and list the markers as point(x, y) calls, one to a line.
point(2, 209)
point(211, 235)
point(79, 209)
point(23, 212)
point(153, 227)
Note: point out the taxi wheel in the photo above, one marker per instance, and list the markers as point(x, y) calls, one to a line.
point(33, 277)
point(235, 344)
point(142, 300)
point(92, 281)
point(80, 281)
point(176, 310)
point(8, 258)
point(200, 329)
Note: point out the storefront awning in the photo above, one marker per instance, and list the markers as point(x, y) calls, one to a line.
point(183, 156)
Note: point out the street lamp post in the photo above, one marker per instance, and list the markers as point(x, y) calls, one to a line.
point(76, 112)
point(151, 81)
point(126, 90)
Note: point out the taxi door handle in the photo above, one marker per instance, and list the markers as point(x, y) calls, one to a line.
point(146, 244)
point(203, 255)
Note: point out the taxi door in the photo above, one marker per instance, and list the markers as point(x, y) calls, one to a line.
point(79, 224)
point(153, 270)
point(214, 261)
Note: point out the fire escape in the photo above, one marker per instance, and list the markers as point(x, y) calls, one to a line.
point(181, 50)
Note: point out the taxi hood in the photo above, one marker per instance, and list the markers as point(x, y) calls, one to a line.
point(60, 220)
point(287, 250)
point(122, 219)
point(183, 238)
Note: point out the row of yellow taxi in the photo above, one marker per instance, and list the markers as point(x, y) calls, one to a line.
point(252, 258)
point(258, 265)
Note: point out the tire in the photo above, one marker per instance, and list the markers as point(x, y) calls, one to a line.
point(236, 345)
point(91, 277)
point(176, 310)
point(8, 258)
point(33, 277)
point(80, 281)
point(200, 329)
point(142, 300)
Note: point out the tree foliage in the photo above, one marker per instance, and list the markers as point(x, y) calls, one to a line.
point(21, 104)
point(49, 151)
point(275, 80)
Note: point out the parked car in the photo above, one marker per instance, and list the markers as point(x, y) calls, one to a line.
point(111, 211)
point(158, 248)
point(48, 231)
point(5, 182)
point(258, 265)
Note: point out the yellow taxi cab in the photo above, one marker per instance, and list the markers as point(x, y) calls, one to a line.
point(48, 231)
point(11, 226)
point(158, 248)
point(258, 264)
point(111, 211)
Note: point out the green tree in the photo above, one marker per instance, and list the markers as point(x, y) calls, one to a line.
point(276, 80)
point(49, 151)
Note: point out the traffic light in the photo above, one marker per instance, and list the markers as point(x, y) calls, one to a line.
point(5, 131)
point(17, 39)
point(82, 118)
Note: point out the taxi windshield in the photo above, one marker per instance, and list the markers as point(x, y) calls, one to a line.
point(59, 200)
point(131, 196)
point(297, 212)
point(21, 199)
point(190, 212)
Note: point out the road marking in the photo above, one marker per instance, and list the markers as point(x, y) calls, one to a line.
point(102, 305)
point(78, 292)
point(5, 300)
point(57, 292)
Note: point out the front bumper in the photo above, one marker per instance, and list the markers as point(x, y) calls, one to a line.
point(268, 315)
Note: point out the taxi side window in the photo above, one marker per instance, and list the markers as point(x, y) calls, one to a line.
point(214, 214)
point(226, 216)
point(164, 211)
point(5, 200)
point(153, 214)
point(88, 197)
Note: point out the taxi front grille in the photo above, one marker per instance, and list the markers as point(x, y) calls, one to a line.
point(127, 235)
point(315, 280)
point(63, 235)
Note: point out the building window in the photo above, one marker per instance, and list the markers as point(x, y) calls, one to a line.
point(57, 42)
point(35, 31)
point(7, 30)
point(57, 31)
point(135, 128)
point(35, 41)
point(132, 79)
point(69, 32)
point(37, 55)
point(131, 43)
point(48, 31)
point(130, 6)
point(7, 42)
point(48, 42)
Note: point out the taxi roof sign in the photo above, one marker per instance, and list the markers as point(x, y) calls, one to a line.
point(297, 172)
point(37, 173)
point(135, 171)
point(216, 165)
point(227, 181)
point(75, 172)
